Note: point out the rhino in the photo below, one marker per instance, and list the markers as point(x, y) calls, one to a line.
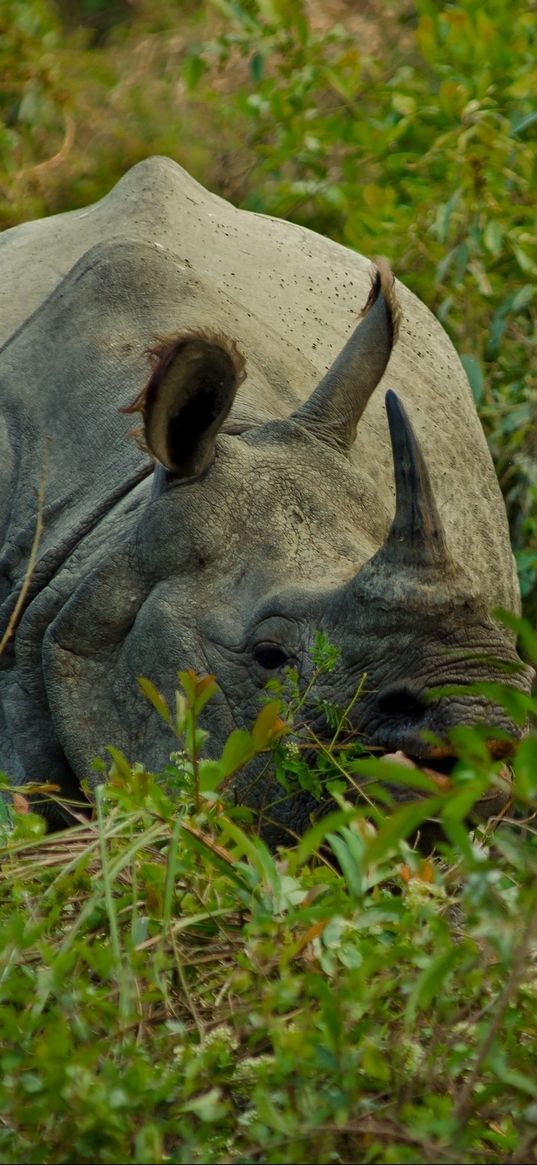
point(273, 492)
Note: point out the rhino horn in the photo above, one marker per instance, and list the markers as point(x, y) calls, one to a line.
point(333, 410)
point(416, 537)
point(187, 399)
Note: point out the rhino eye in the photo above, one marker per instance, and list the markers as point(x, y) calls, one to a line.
point(270, 656)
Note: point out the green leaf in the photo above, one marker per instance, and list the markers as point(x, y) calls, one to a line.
point(374, 1061)
point(206, 688)
point(474, 372)
point(514, 302)
point(197, 689)
point(398, 826)
point(519, 127)
point(314, 837)
point(30, 1082)
point(193, 69)
point(431, 981)
point(155, 698)
point(210, 775)
point(257, 853)
point(462, 799)
point(457, 834)
point(511, 1076)
point(238, 749)
point(392, 773)
point(267, 725)
point(525, 768)
point(493, 236)
point(257, 65)
point(187, 679)
point(208, 1107)
point(522, 628)
point(525, 262)
point(120, 761)
point(349, 856)
point(522, 298)
point(181, 712)
point(404, 104)
point(5, 814)
point(442, 224)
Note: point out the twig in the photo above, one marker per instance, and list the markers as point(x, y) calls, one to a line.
point(39, 527)
point(42, 167)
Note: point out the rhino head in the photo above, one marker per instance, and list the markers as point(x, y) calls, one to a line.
point(249, 546)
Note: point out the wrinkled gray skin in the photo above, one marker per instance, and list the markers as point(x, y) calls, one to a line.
point(257, 527)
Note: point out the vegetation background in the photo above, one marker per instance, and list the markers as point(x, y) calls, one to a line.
point(170, 991)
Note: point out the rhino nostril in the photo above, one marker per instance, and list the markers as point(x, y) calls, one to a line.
point(401, 703)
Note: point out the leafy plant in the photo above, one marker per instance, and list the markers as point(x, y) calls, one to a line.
point(173, 991)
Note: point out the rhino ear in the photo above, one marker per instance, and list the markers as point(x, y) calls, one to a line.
point(187, 399)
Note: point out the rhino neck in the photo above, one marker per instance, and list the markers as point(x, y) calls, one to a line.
point(77, 548)
point(58, 573)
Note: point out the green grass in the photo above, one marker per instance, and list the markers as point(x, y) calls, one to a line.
point(172, 991)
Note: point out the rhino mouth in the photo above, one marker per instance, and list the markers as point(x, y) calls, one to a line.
point(283, 818)
point(437, 763)
point(439, 769)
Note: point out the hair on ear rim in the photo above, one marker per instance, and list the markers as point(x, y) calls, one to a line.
point(163, 351)
point(185, 401)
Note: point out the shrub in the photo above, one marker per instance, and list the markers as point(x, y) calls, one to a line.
point(171, 991)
